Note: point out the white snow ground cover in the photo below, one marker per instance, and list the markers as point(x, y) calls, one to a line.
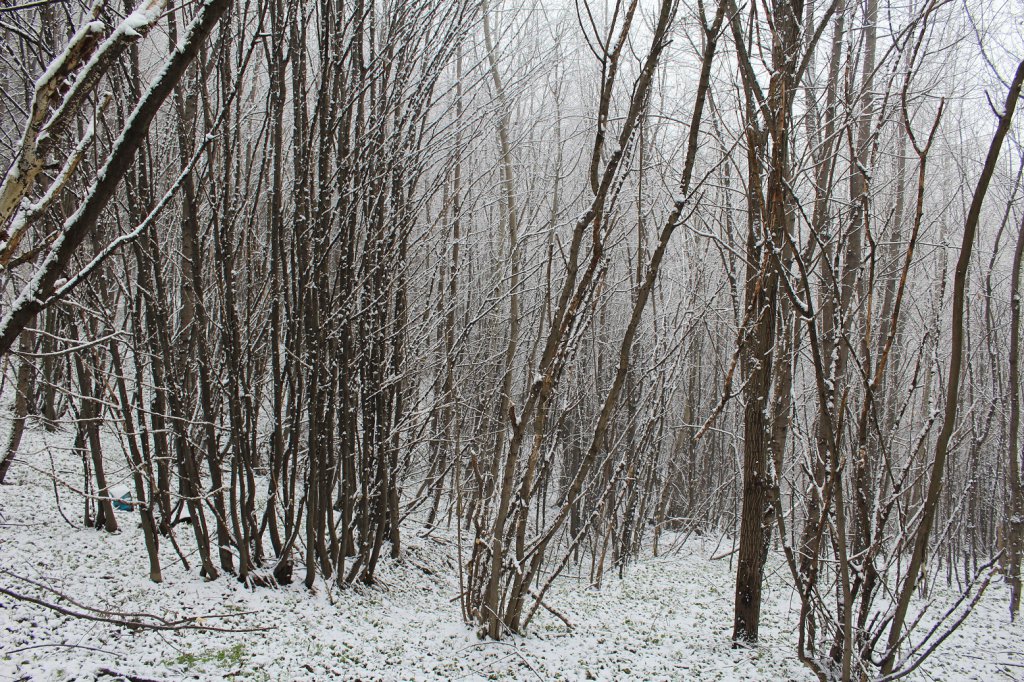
point(666, 619)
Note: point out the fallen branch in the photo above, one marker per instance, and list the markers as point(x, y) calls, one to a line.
point(125, 676)
point(132, 621)
point(552, 610)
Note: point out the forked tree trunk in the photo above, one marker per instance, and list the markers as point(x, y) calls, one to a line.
point(765, 241)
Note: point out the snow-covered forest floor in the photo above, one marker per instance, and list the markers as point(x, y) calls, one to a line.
point(666, 618)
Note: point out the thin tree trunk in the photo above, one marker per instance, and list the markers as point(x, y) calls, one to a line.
point(930, 509)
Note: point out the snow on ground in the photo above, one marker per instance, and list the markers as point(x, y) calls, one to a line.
point(666, 619)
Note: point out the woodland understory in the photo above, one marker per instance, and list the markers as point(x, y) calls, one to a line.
point(555, 280)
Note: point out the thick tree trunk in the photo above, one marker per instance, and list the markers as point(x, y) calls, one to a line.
point(769, 222)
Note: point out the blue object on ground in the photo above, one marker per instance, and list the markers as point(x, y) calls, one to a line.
point(121, 496)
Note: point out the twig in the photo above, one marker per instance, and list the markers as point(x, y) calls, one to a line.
point(56, 493)
point(10, 652)
point(725, 554)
